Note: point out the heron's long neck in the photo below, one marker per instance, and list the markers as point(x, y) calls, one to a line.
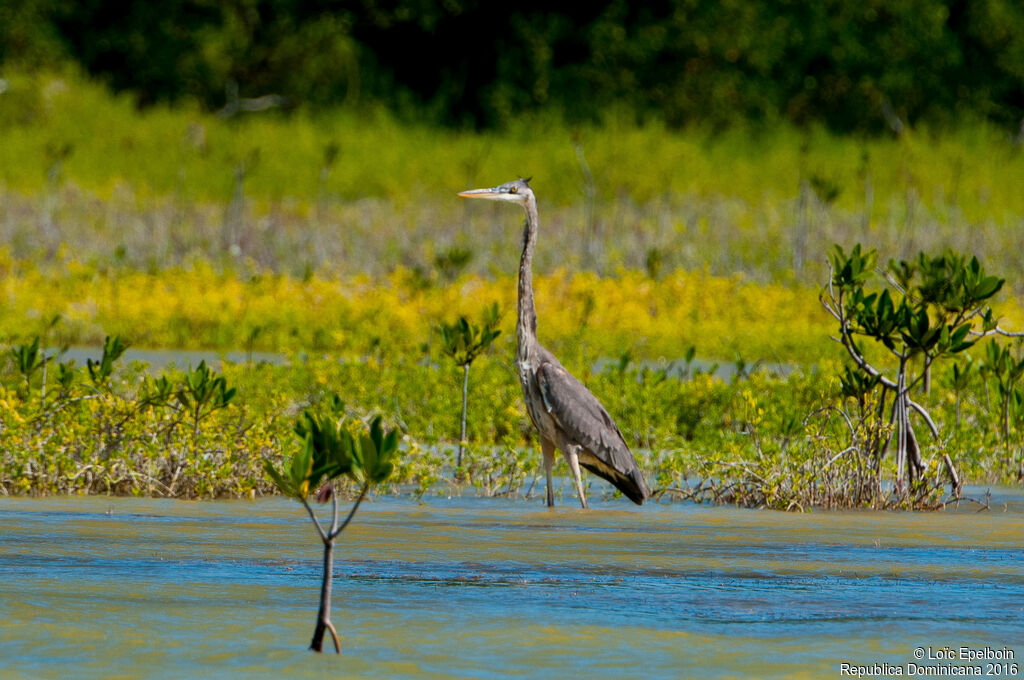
point(526, 325)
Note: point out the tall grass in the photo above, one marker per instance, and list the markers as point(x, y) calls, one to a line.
point(355, 191)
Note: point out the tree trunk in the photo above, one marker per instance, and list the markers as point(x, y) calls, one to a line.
point(323, 617)
point(897, 421)
point(1007, 395)
point(908, 451)
point(954, 479)
point(465, 397)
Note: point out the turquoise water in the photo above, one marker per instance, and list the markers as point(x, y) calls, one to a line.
point(479, 588)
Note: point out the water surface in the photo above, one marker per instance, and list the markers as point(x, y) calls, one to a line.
point(479, 588)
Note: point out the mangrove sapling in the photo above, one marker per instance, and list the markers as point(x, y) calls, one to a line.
point(867, 428)
point(330, 450)
point(28, 359)
point(938, 301)
point(464, 342)
point(1006, 370)
point(113, 418)
point(688, 356)
point(100, 371)
point(202, 392)
point(959, 381)
point(452, 262)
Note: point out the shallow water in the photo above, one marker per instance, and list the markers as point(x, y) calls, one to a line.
point(477, 588)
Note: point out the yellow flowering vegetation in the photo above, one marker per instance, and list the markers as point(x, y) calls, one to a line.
point(769, 427)
point(200, 307)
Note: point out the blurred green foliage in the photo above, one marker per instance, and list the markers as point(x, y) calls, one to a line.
point(289, 193)
point(854, 66)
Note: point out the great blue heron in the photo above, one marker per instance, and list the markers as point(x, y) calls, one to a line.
point(565, 413)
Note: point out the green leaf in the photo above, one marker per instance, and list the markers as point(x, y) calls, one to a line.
point(369, 451)
point(382, 472)
point(960, 333)
point(390, 444)
point(278, 478)
point(988, 322)
point(376, 432)
point(885, 308)
point(302, 467)
point(183, 398)
point(988, 287)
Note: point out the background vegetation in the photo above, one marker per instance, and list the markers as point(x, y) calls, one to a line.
point(279, 177)
point(860, 66)
point(347, 193)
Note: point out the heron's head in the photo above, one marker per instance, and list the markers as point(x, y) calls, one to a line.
point(517, 191)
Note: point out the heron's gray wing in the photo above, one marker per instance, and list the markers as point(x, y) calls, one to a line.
point(580, 415)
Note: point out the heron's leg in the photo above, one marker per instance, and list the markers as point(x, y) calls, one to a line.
point(572, 456)
point(548, 450)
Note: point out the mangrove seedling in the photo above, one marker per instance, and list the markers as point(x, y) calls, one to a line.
point(28, 359)
point(959, 381)
point(100, 371)
point(331, 450)
point(202, 392)
point(1005, 370)
point(452, 262)
point(464, 342)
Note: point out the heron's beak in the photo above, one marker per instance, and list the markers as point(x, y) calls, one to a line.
point(491, 193)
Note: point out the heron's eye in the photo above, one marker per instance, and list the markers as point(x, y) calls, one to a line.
point(513, 190)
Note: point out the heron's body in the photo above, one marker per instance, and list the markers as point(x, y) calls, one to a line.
point(567, 416)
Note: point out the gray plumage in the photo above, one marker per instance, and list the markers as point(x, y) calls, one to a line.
point(565, 413)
